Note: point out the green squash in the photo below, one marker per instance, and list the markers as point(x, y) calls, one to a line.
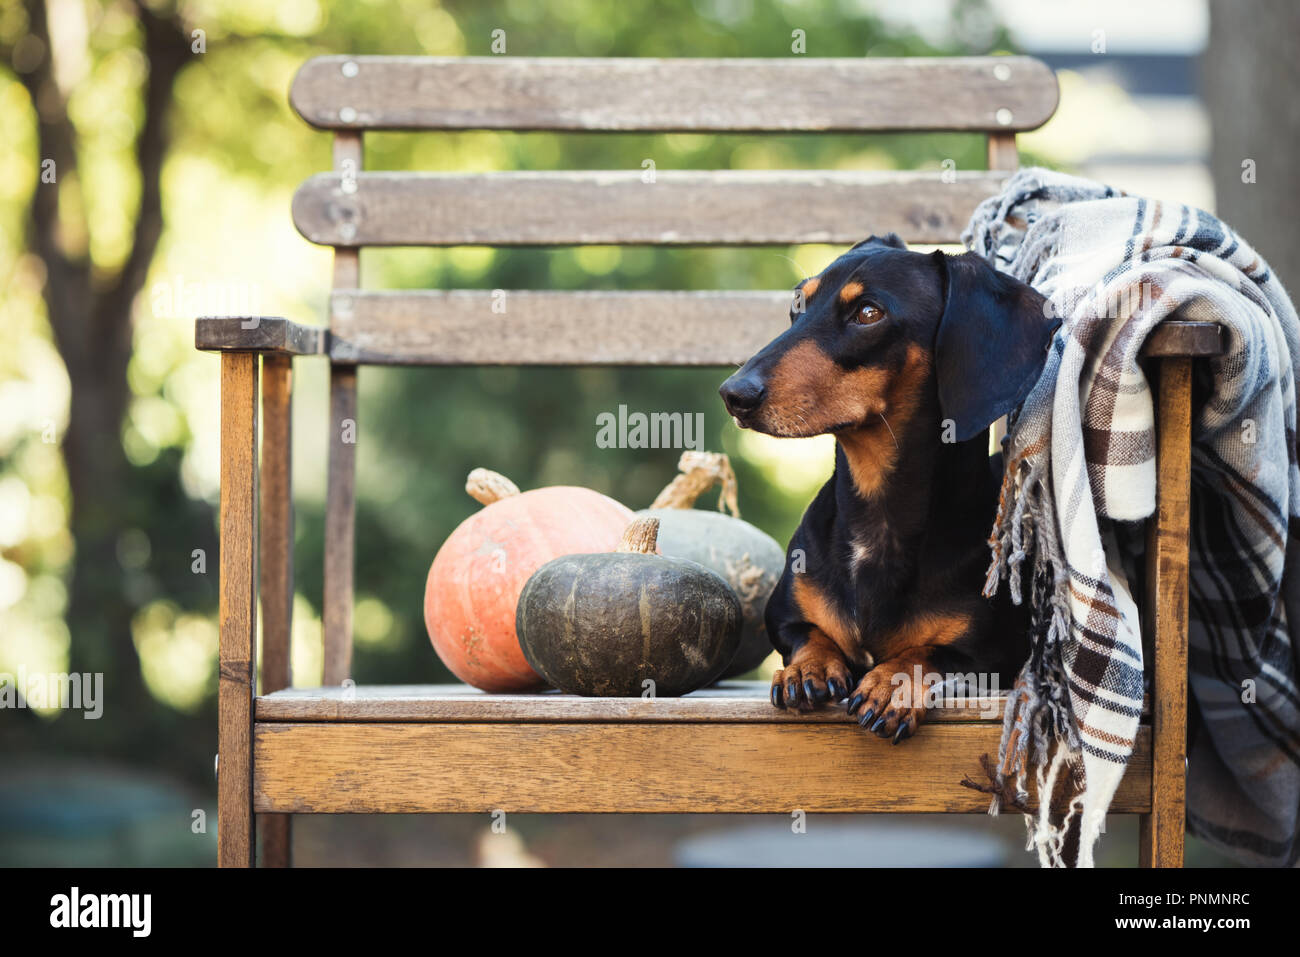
point(747, 558)
point(605, 624)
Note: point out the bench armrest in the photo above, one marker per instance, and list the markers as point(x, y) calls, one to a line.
point(1180, 337)
point(266, 334)
point(276, 335)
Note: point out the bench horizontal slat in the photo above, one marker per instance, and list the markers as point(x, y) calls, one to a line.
point(460, 327)
point(696, 95)
point(349, 767)
point(731, 208)
point(468, 327)
point(740, 701)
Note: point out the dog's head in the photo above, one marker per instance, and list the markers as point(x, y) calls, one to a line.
point(881, 329)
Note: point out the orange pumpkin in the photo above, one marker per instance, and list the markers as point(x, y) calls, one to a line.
point(477, 575)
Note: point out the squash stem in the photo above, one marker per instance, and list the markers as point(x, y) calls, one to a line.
point(700, 472)
point(641, 537)
point(486, 486)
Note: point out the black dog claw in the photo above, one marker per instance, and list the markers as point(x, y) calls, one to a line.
point(902, 733)
point(776, 696)
point(875, 728)
point(856, 703)
point(866, 717)
point(836, 689)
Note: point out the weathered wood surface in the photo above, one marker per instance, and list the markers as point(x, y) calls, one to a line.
point(275, 834)
point(1161, 831)
point(554, 328)
point(340, 524)
point(636, 328)
point(276, 525)
point(341, 495)
point(275, 535)
point(1002, 151)
point(695, 95)
point(473, 327)
point(735, 701)
point(237, 603)
point(1178, 337)
point(729, 207)
point(627, 767)
point(349, 156)
point(268, 334)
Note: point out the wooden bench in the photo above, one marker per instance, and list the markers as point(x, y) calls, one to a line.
point(340, 748)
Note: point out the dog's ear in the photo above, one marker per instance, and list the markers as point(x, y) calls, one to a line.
point(889, 239)
point(991, 342)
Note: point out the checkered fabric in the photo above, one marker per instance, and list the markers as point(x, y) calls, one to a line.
point(1081, 469)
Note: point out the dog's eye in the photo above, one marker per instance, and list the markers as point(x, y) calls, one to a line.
point(798, 308)
point(868, 314)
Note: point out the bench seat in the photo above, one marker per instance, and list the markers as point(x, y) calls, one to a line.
point(451, 748)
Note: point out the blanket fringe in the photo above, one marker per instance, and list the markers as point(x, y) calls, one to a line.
point(1038, 730)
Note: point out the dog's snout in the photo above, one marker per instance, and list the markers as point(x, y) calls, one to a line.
point(742, 394)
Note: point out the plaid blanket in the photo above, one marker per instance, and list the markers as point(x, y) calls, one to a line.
point(1081, 471)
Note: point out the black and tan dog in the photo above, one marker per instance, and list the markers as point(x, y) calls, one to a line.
point(906, 358)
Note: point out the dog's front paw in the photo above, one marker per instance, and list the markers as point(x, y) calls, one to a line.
point(810, 681)
point(887, 703)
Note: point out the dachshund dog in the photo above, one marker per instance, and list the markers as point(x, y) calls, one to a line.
point(906, 358)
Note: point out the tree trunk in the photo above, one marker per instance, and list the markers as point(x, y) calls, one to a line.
point(99, 612)
point(90, 317)
point(1250, 74)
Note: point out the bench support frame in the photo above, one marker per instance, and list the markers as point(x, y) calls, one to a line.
point(238, 613)
point(286, 774)
point(1161, 831)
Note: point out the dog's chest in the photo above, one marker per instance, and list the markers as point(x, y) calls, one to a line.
point(869, 587)
point(872, 547)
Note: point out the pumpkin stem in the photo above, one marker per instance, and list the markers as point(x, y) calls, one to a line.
point(642, 536)
point(487, 486)
point(700, 472)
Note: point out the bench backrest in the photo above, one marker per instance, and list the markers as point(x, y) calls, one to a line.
point(350, 208)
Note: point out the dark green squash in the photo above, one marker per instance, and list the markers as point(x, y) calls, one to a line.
point(747, 558)
point(604, 624)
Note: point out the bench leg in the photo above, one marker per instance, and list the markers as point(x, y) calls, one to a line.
point(276, 578)
point(1161, 831)
point(238, 597)
point(340, 525)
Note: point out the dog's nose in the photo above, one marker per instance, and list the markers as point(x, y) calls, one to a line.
point(742, 394)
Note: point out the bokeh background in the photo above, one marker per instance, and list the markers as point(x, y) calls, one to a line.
point(146, 168)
